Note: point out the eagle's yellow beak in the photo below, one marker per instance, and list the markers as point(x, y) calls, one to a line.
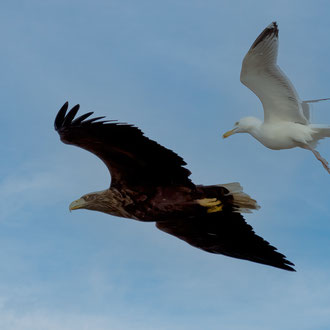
point(231, 132)
point(78, 204)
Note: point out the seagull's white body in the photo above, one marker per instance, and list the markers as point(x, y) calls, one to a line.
point(281, 135)
point(286, 118)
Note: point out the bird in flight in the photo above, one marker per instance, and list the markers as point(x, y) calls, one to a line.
point(286, 118)
point(150, 183)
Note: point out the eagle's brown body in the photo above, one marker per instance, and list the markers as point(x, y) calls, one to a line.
point(159, 203)
point(150, 183)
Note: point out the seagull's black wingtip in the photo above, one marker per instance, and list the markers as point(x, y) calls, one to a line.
point(270, 31)
point(274, 28)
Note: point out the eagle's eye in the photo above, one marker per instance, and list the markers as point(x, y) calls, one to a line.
point(89, 198)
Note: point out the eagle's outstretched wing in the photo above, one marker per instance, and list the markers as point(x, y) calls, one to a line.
point(132, 158)
point(225, 233)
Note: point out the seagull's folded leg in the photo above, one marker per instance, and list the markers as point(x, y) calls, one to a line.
point(319, 157)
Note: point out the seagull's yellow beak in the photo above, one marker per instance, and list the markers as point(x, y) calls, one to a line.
point(78, 204)
point(231, 132)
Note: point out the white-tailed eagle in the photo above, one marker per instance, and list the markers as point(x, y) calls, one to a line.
point(150, 183)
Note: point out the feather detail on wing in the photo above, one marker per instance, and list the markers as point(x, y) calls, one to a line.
point(261, 74)
point(228, 234)
point(131, 158)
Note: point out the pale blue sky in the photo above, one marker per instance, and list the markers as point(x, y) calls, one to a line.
point(172, 68)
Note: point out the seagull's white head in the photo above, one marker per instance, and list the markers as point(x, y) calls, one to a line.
point(244, 125)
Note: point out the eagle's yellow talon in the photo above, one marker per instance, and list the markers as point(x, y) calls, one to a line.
point(214, 209)
point(213, 204)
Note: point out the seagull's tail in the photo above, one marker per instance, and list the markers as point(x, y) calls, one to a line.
point(321, 131)
point(242, 202)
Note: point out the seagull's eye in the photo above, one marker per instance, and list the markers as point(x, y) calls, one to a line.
point(236, 124)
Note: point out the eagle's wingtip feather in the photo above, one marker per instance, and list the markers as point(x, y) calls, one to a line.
point(61, 115)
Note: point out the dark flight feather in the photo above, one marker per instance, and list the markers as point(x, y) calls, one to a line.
point(225, 233)
point(270, 30)
point(81, 118)
point(131, 158)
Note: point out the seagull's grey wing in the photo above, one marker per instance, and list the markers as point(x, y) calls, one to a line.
point(262, 75)
point(306, 110)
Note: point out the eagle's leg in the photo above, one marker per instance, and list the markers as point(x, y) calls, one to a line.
point(212, 204)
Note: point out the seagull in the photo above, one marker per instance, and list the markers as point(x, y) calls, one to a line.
point(286, 118)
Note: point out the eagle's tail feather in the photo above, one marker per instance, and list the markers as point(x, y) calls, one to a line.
point(242, 202)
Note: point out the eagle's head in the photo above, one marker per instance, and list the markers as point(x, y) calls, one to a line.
point(106, 201)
